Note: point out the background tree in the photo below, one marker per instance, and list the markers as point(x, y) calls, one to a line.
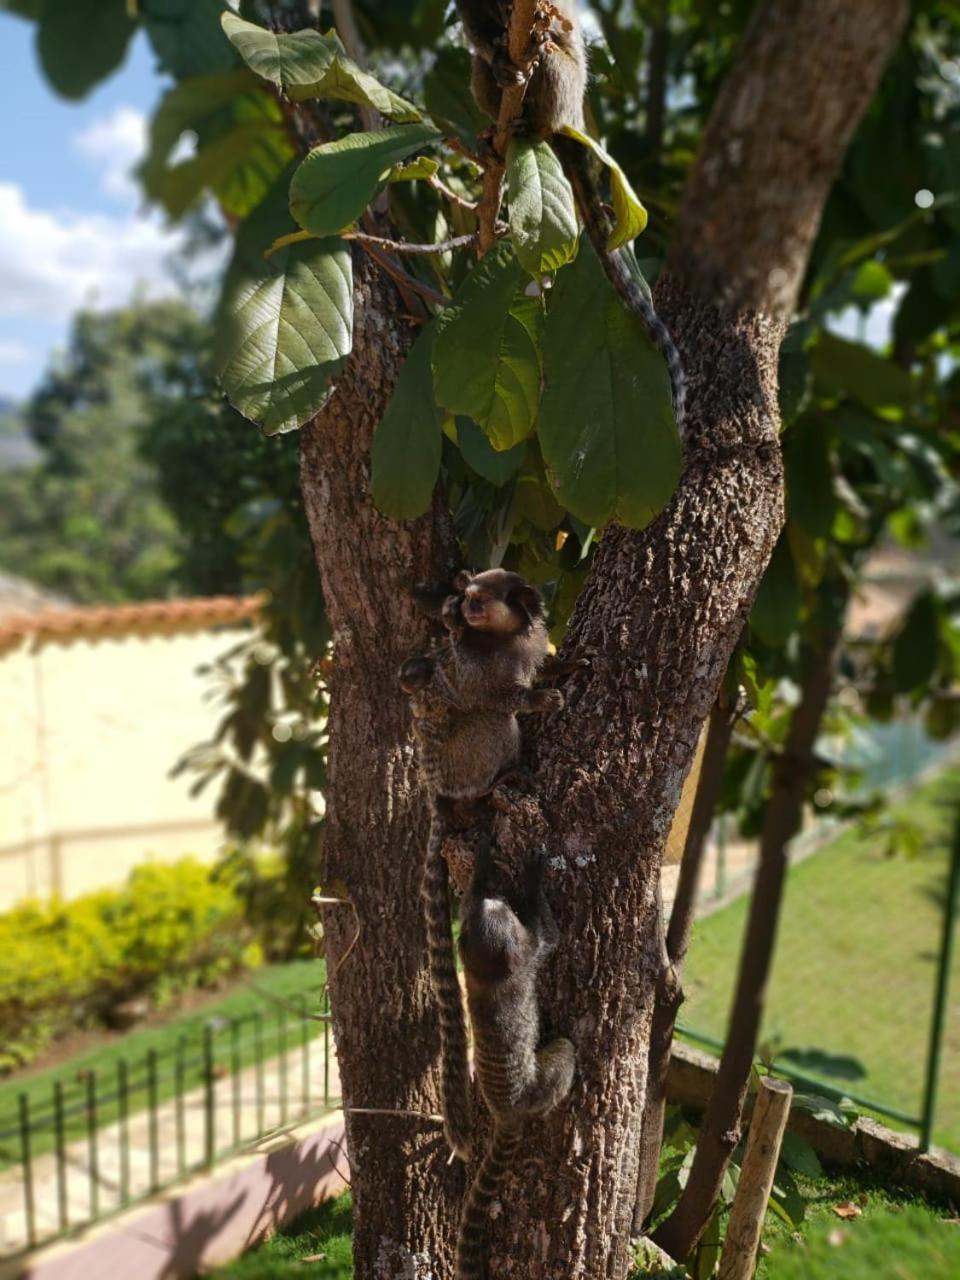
point(662, 609)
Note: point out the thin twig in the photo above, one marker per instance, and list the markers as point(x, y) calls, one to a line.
point(438, 184)
point(318, 900)
point(403, 246)
point(387, 1111)
point(405, 283)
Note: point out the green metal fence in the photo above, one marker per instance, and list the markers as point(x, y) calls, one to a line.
point(864, 996)
point(100, 1143)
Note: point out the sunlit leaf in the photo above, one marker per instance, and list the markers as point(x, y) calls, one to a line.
point(306, 64)
point(543, 219)
point(629, 215)
point(337, 180)
point(285, 322)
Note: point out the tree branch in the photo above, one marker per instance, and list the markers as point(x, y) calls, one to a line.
point(523, 54)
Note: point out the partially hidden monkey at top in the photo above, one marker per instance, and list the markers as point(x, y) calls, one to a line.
point(464, 698)
point(504, 938)
point(554, 98)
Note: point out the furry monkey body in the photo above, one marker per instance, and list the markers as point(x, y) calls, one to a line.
point(464, 699)
point(504, 940)
point(554, 98)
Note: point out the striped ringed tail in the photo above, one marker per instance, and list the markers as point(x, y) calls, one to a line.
point(455, 1074)
point(475, 1219)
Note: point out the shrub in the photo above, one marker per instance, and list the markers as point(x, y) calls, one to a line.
point(64, 965)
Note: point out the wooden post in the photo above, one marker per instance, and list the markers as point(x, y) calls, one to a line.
point(756, 1180)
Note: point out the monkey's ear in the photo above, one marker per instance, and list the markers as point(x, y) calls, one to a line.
point(462, 580)
point(528, 600)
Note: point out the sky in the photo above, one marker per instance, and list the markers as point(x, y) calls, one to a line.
point(73, 231)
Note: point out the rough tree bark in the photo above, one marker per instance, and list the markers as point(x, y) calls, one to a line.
point(721, 1129)
point(662, 611)
point(405, 1194)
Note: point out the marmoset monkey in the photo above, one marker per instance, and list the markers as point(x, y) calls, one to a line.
point(554, 98)
point(504, 939)
point(465, 697)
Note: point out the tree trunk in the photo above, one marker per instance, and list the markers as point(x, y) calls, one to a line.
point(662, 611)
point(670, 993)
point(720, 1131)
point(405, 1196)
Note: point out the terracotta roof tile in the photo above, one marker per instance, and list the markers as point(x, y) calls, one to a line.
point(141, 619)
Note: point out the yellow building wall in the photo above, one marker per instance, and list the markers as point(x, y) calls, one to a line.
point(90, 730)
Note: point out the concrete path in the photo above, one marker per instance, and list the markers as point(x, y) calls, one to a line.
point(84, 1193)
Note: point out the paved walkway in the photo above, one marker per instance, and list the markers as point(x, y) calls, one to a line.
point(86, 1194)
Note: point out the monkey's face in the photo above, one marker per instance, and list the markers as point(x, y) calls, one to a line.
point(499, 601)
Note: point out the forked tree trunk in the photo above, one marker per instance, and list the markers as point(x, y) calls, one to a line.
point(662, 610)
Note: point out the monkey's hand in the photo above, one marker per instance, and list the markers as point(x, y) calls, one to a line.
point(415, 673)
point(452, 617)
point(542, 700)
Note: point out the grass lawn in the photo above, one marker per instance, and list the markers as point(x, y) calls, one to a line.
point(316, 1244)
point(299, 978)
point(855, 964)
point(895, 1227)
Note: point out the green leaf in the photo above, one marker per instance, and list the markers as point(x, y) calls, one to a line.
point(845, 368)
point(186, 36)
point(809, 468)
point(916, 646)
point(221, 164)
point(606, 429)
point(485, 363)
point(305, 64)
point(497, 466)
point(187, 106)
point(80, 42)
point(871, 282)
point(629, 215)
point(777, 607)
point(242, 148)
point(414, 171)
point(798, 1155)
point(285, 326)
point(534, 500)
point(337, 180)
point(543, 218)
point(405, 457)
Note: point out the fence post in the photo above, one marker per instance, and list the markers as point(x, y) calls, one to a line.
point(26, 1157)
point(939, 1018)
point(209, 1099)
point(770, 1113)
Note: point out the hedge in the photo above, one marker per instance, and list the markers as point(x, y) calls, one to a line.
point(67, 965)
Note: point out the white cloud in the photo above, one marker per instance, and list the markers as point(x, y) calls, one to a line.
point(53, 263)
point(114, 145)
point(15, 352)
point(875, 328)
